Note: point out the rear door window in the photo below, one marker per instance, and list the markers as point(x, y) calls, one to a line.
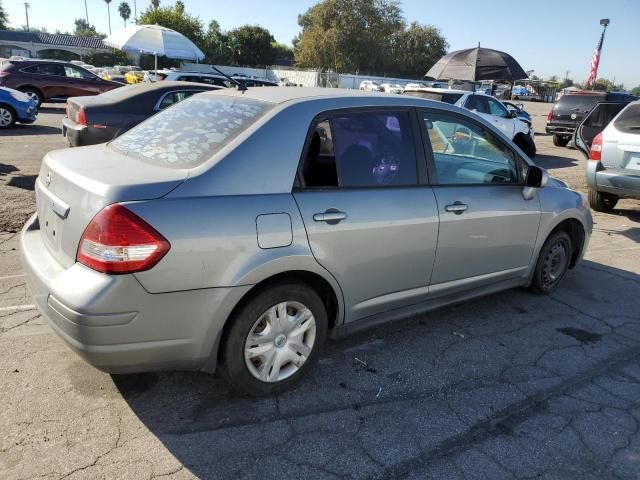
point(362, 149)
point(496, 108)
point(175, 97)
point(477, 103)
point(190, 133)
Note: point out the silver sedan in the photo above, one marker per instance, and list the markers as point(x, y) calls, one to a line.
point(244, 228)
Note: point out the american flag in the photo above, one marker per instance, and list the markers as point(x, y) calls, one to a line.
point(595, 61)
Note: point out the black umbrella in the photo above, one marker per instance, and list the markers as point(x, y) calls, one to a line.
point(477, 64)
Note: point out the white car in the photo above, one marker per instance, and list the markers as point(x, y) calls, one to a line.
point(415, 85)
point(487, 107)
point(371, 86)
point(392, 88)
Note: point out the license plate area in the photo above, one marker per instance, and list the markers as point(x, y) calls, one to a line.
point(633, 161)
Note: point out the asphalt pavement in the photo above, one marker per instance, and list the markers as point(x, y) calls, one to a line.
point(513, 385)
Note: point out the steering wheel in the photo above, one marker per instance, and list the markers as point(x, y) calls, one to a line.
point(386, 166)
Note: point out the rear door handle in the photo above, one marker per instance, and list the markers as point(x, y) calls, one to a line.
point(331, 216)
point(456, 207)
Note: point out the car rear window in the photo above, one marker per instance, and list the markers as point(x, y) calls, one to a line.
point(192, 131)
point(441, 97)
point(584, 102)
point(629, 119)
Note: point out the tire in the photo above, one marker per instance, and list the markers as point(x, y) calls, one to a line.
point(247, 367)
point(553, 263)
point(526, 144)
point(559, 141)
point(7, 117)
point(602, 202)
point(35, 94)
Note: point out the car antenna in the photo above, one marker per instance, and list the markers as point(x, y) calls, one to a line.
point(240, 85)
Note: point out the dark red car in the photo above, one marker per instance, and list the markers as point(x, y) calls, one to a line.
point(52, 80)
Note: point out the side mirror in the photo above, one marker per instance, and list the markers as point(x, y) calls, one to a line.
point(512, 114)
point(536, 177)
point(520, 106)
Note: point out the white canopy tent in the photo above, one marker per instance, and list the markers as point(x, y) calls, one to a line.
point(155, 40)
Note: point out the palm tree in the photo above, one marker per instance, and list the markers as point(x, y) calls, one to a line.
point(108, 13)
point(125, 11)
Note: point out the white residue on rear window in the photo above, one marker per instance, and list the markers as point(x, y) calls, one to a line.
point(187, 134)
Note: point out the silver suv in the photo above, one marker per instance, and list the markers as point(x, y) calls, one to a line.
point(613, 168)
point(245, 227)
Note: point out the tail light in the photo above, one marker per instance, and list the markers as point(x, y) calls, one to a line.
point(118, 241)
point(81, 118)
point(596, 148)
point(550, 116)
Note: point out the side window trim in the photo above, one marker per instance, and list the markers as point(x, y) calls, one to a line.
point(431, 165)
point(422, 171)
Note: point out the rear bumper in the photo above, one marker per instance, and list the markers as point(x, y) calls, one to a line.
point(611, 181)
point(115, 324)
point(557, 130)
point(80, 135)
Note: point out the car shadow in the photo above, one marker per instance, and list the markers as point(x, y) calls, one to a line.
point(6, 169)
point(31, 129)
point(377, 382)
point(26, 182)
point(554, 161)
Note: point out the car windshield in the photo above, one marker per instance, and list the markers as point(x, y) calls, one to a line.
point(192, 131)
point(441, 97)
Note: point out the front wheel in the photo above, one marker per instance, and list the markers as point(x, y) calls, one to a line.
point(553, 263)
point(526, 144)
point(274, 339)
point(7, 117)
point(33, 94)
point(559, 141)
point(602, 202)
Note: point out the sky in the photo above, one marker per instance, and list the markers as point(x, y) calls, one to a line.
point(549, 37)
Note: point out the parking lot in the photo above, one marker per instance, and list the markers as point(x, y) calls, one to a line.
point(514, 385)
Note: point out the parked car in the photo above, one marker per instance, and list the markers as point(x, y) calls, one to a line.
point(16, 106)
point(371, 86)
point(134, 76)
point(522, 93)
point(101, 118)
point(199, 77)
point(222, 229)
point(610, 137)
point(571, 108)
point(254, 82)
point(415, 85)
point(519, 110)
point(491, 109)
point(392, 88)
point(52, 80)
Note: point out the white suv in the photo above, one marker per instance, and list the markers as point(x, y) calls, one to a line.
point(371, 86)
point(489, 108)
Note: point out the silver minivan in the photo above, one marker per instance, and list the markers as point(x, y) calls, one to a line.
point(243, 228)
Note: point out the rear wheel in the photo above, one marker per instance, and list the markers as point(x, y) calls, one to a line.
point(274, 339)
point(33, 94)
point(553, 262)
point(526, 144)
point(7, 116)
point(559, 141)
point(602, 202)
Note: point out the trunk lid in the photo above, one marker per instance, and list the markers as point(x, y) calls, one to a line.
point(75, 184)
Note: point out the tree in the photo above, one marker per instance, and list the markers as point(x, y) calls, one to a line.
point(4, 18)
point(125, 12)
point(604, 85)
point(215, 45)
point(103, 59)
point(567, 82)
point(283, 54)
point(251, 45)
point(84, 29)
point(416, 49)
point(636, 91)
point(108, 2)
point(349, 35)
point(177, 19)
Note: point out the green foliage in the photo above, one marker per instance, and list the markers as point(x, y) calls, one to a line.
point(177, 19)
point(107, 59)
point(84, 29)
point(604, 85)
point(251, 45)
point(567, 82)
point(147, 62)
point(55, 54)
point(4, 18)
point(636, 90)
point(366, 36)
point(125, 12)
point(283, 54)
point(215, 46)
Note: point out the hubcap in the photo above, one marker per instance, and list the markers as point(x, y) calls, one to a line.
point(32, 95)
point(5, 117)
point(280, 341)
point(555, 263)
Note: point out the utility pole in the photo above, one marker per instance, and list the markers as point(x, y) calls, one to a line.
point(135, 11)
point(86, 10)
point(26, 13)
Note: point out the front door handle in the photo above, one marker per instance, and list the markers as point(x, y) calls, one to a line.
point(331, 216)
point(456, 207)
